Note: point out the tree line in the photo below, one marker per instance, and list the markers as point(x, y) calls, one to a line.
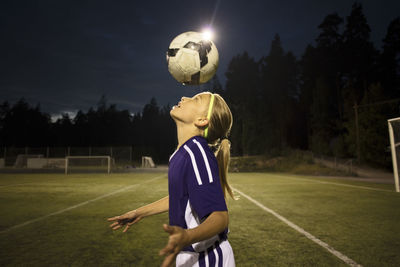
point(150, 132)
point(334, 100)
point(312, 103)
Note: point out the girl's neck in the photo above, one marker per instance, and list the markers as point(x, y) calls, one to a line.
point(185, 132)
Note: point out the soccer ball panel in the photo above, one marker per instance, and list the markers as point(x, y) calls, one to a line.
point(188, 59)
point(182, 39)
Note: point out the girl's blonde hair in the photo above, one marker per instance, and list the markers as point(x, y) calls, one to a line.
point(219, 127)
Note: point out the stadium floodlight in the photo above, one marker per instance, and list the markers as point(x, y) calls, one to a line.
point(208, 34)
point(394, 135)
point(88, 163)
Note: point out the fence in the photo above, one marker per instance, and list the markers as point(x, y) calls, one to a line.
point(345, 165)
point(121, 155)
point(352, 168)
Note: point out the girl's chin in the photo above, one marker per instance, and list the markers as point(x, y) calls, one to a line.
point(172, 112)
point(174, 115)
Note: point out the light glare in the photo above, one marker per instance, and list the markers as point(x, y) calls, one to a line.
point(208, 34)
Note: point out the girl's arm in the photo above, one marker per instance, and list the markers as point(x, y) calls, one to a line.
point(134, 216)
point(179, 238)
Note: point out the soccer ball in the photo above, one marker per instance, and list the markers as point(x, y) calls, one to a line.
point(192, 58)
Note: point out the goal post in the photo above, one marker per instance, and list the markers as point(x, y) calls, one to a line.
point(394, 135)
point(88, 162)
point(147, 162)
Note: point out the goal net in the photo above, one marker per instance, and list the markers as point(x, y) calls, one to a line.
point(87, 164)
point(147, 162)
point(394, 135)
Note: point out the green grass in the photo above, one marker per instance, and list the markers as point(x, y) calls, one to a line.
point(360, 223)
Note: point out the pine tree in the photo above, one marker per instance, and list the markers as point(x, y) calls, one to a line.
point(390, 60)
point(242, 95)
point(279, 93)
point(359, 54)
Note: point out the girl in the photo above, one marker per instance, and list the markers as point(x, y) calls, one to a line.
point(197, 183)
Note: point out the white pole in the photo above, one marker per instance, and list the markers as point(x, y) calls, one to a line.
point(394, 158)
point(66, 165)
point(109, 165)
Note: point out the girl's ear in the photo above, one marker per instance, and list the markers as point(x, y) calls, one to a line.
point(201, 122)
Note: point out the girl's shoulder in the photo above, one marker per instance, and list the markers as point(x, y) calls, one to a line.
point(197, 145)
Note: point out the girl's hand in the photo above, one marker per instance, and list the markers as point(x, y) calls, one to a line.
point(178, 239)
point(127, 219)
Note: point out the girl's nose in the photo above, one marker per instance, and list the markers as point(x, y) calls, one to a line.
point(183, 98)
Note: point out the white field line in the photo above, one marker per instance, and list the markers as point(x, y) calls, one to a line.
point(78, 205)
point(301, 231)
point(338, 184)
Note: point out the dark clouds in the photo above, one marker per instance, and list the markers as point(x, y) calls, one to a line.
point(66, 54)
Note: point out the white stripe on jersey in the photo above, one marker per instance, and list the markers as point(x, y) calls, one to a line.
point(194, 164)
point(216, 258)
point(205, 160)
point(173, 154)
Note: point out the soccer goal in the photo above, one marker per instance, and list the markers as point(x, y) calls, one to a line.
point(394, 135)
point(88, 163)
point(22, 160)
point(147, 162)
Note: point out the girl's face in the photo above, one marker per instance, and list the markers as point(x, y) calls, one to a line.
point(190, 109)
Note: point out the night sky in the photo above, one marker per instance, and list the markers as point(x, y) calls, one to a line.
point(66, 54)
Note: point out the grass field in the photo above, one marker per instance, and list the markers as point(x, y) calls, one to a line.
point(58, 220)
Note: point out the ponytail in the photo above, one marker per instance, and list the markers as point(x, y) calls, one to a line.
point(220, 123)
point(223, 155)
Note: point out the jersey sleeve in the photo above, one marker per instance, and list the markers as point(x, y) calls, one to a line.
point(203, 184)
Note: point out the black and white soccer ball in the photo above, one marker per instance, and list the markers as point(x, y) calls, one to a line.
point(192, 58)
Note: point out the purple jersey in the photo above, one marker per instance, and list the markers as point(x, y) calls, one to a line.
point(194, 188)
